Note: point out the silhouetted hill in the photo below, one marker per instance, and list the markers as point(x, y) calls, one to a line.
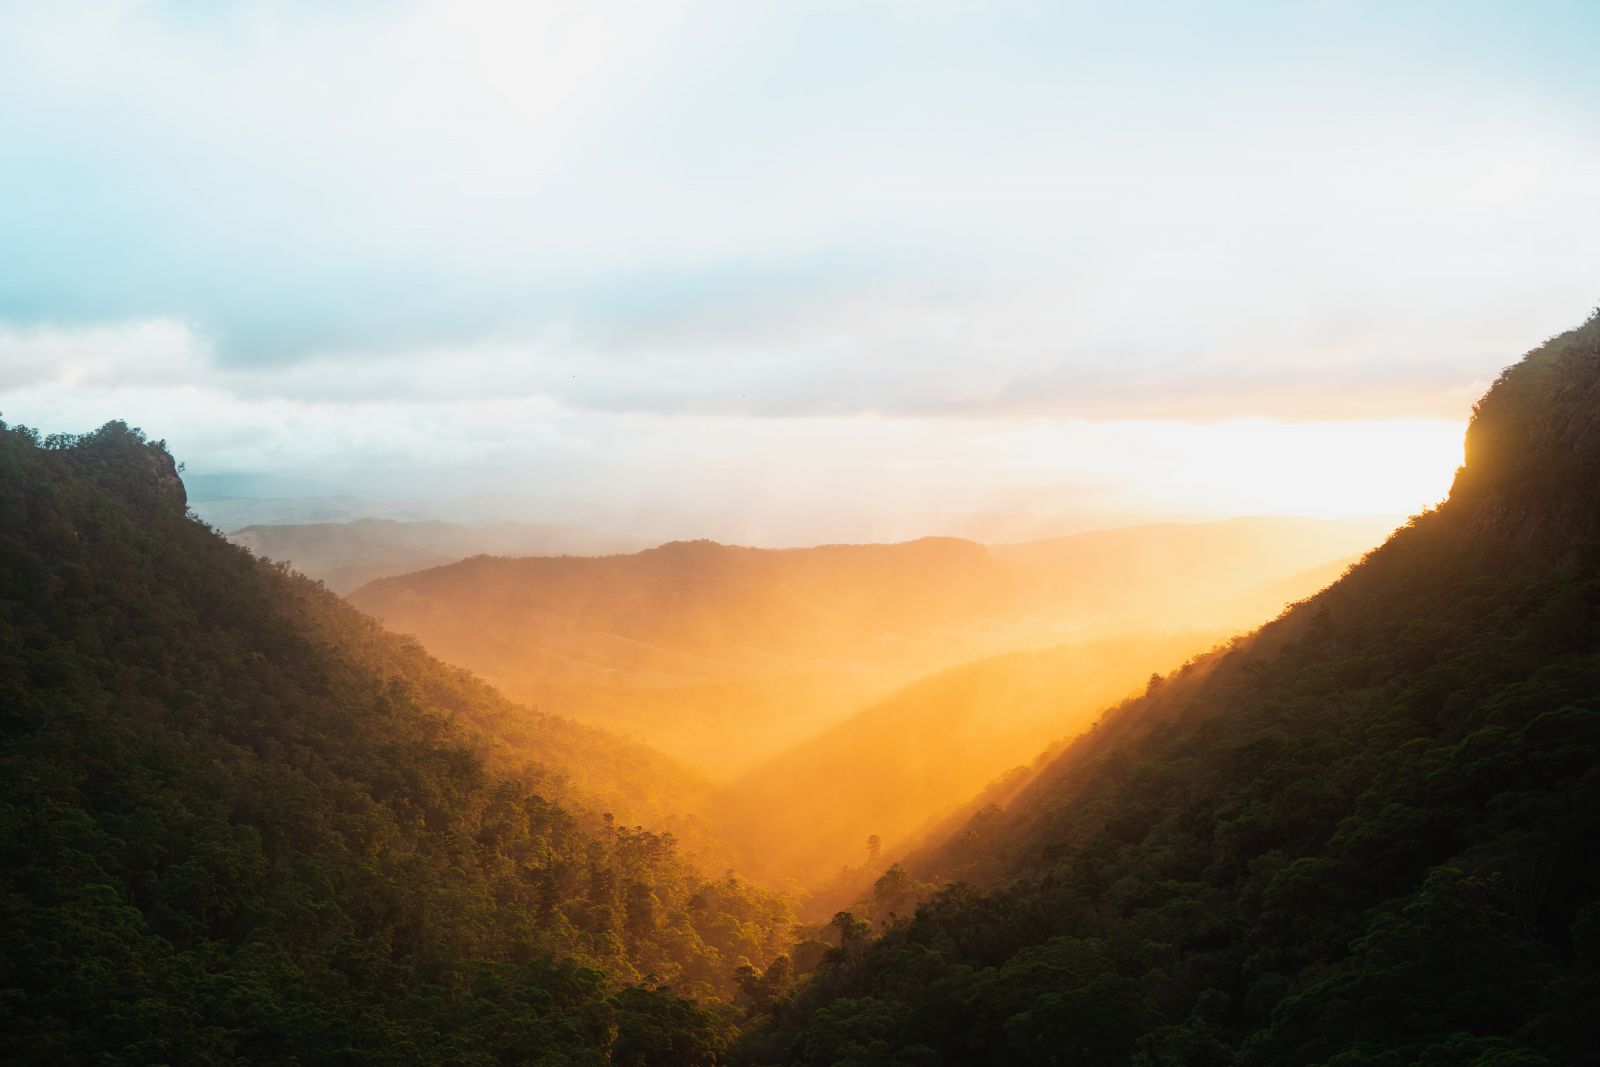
point(726, 656)
point(345, 555)
point(240, 822)
point(1364, 835)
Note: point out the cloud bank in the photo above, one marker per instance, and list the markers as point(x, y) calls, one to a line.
point(371, 229)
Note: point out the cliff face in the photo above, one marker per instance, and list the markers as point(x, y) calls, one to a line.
point(241, 823)
point(1533, 448)
point(1361, 835)
point(126, 466)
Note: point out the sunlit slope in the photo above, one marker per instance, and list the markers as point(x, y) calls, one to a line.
point(726, 656)
point(1364, 835)
point(889, 769)
point(239, 822)
point(345, 555)
point(718, 653)
point(1233, 573)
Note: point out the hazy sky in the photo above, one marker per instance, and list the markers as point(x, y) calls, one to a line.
point(797, 270)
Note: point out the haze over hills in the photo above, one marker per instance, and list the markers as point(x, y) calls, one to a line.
point(240, 822)
point(255, 485)
point(243, 822)
point(785, 534)
point(345, 555)
point(1215, 574)
point(895, 767)
point(232, 513)
point(1363, 834)
point(483, 511)
point(726, 656)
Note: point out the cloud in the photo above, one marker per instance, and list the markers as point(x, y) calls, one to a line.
point(310, 182)
point(102, 358)
point(930, 357)
point(573, 245)
point(806, 478)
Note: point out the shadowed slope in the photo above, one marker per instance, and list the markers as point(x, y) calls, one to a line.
point(239, 822)
point(1363, 835)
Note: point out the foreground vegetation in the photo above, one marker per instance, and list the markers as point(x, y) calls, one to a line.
point(239, 822)
point(1365, 835)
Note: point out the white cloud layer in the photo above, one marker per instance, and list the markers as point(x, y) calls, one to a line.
point(798, 479)
point(489, 233)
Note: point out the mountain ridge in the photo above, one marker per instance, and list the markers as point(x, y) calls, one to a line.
point(240, 822)
point(729, 654)
point(1357, 836)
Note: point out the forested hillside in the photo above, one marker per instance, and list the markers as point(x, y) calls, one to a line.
point(239, 822)
point(727, 656)
point(1364, 835)
point(891, 770)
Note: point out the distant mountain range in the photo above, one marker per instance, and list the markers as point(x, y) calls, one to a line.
point(726, 655)
point(241, 822)
point(345, 555)
point(206, 488)
point(1365, 834)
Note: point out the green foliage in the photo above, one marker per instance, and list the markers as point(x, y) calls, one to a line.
point(1365, 835)
point(241, 823)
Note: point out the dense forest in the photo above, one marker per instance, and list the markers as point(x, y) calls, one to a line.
point(838, 691)
point(242, 822)
point(1364, 835)
point(239, 822)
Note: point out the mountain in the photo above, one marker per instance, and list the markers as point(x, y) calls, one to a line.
point(1363, 835)
point(726, 656)
point(240, 822)
point(232, 513)
point(890, 769)
point(344, 555)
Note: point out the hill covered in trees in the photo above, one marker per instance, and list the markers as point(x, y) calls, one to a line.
point(240, 822)
point(1363, 835)
point(892, 770)
point(727, 656)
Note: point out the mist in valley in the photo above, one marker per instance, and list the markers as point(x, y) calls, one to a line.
point(707, 534)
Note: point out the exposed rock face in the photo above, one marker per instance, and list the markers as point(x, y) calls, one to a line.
point(127, 465)
point(1533, 449)
point(163, 475)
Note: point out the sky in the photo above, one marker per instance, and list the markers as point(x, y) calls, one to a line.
point(794, 272)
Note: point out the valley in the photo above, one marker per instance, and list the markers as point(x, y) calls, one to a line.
point(1182, 794)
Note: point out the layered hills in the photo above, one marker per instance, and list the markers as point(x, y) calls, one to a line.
point(727, 656)
point(345, 555)
point(1362, 835)
point(891, 771)
point(240, 822)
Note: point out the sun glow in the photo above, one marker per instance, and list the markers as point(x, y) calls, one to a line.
point(1327, 469)
point(1259, 466)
